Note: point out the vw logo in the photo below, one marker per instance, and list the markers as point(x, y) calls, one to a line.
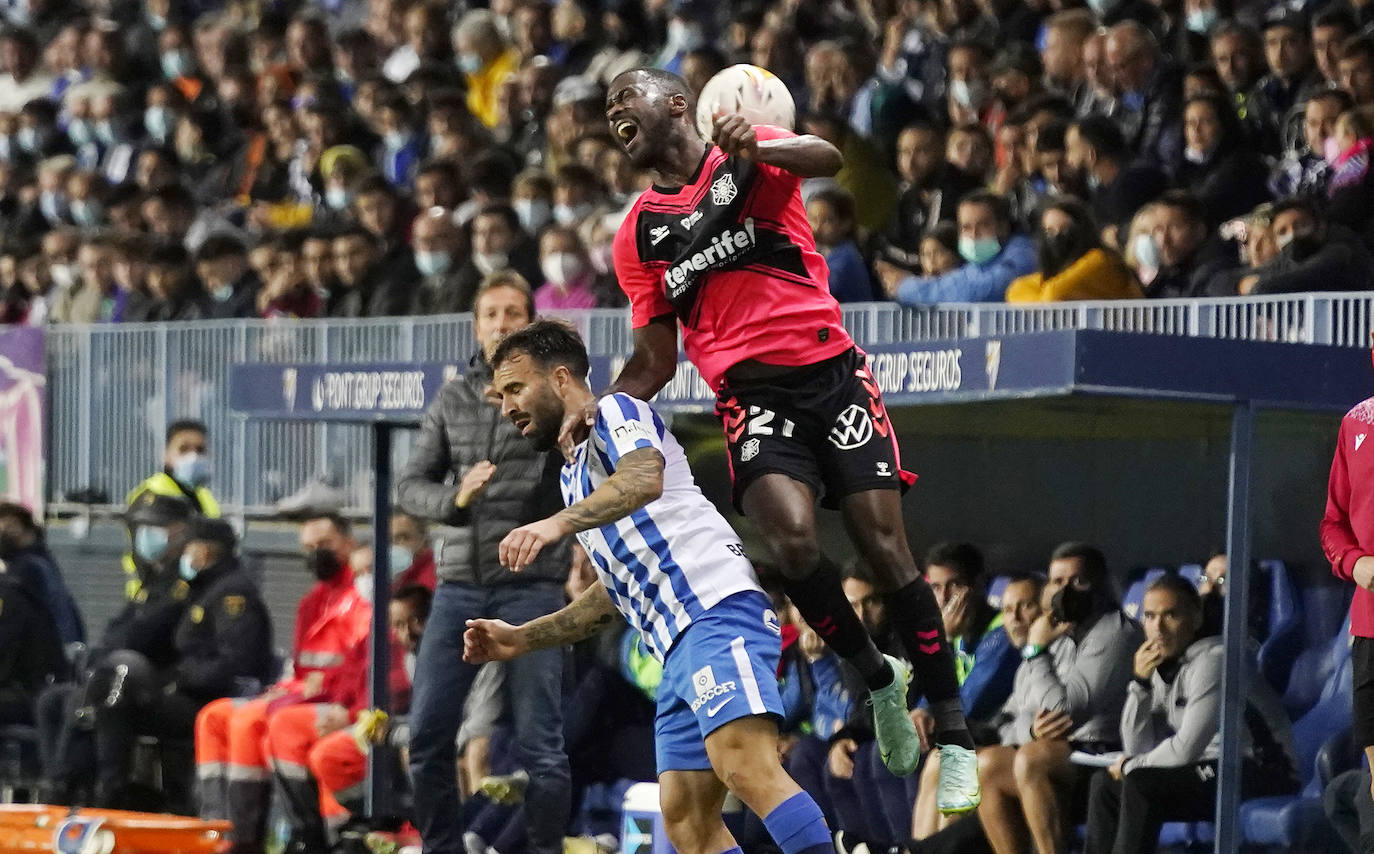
point(852, 429)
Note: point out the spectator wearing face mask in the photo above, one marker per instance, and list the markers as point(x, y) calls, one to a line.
point(1097, 154)
point(1313, 254)
point(1074, 265)
point(832, 216)
point(994, 256)
point(486, 59)
point(569, 279)
point(177, 295)
point(439, 245)
point(498, 243)
point(222, 267)
point(1189, 256)
point(1149, 88)
point(1219, 166)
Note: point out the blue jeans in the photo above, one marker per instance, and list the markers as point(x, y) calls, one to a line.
point(533, 698)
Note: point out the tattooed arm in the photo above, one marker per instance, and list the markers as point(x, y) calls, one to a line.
point(637, 480)
point(495, 640)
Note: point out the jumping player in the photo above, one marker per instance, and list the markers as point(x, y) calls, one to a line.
point(670, 563)
point(720, 245)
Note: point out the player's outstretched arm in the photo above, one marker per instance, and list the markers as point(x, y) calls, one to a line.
point(496, 640)
point(806, 156)
point(650, 366)
point(637, 480)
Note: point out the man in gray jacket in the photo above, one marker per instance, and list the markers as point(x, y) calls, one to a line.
point(1067, 697)
point(471, 470)
point(1171, 731)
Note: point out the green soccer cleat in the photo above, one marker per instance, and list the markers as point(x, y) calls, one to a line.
point(959, 791)
point(898, 745)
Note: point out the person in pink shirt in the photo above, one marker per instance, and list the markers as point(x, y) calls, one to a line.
point(569, 278)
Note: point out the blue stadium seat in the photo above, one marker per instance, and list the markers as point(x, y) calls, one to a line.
point(996, 588)
point(1324, 611)
point(1284, 641)
point(1135, 594)
point(1297, 822)
point(1192, 572)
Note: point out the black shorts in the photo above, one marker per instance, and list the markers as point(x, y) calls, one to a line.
point(1362, 695)
point(823, 425)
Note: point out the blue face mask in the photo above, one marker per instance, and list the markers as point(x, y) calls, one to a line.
point(176, 64)
point(150, 543)
point(187, 572)
point(433, 263)
point(396, 140)
point(105, 132)
point(86, 214)
point(80, 133)
point(1200, 21)
point(979, 250)
point(157, 121)
point(401, 558)
point(337, 198)
point(1146, 252)
point(52, 204)
point(469, 63)
point(27, 139)
point(192, 470)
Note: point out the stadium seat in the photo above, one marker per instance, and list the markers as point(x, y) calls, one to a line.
point(1135, 594)
point(1323, 607)
point(996, 588)
point(1297, 822)
point(1283, 642)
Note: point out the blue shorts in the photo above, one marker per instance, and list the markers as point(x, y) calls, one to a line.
point(722, 668)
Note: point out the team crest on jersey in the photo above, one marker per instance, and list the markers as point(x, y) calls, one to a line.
point(852, 429)
point(723, 191)
point(749, 450)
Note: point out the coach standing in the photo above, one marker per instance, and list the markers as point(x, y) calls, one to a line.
point(1347, 532)
point(472, 471)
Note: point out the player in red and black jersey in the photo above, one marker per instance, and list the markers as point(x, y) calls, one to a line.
point(720, 247)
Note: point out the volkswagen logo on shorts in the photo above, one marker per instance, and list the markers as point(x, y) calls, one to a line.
point(852, 429)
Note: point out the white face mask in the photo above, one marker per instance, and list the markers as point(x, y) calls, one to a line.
point(562, 268)
point(363, 584)
point(489, 262)
point(603, 258)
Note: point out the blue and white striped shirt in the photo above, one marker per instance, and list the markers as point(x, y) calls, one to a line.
point(670, 561)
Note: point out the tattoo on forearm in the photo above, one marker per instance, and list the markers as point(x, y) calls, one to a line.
point(636, 481)
point(590, 613)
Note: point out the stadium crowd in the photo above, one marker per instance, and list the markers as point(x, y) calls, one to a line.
point(177, 160)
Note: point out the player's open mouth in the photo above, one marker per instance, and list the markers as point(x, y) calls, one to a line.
point(522, 424)
point(627, 131)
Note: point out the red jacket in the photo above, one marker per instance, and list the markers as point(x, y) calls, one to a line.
point(331, 620)
point(1347, 529)
point(421, 571)
point(348, 686)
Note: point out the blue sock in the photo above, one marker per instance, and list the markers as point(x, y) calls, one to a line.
point(798, 826)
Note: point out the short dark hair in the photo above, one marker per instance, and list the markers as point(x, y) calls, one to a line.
point(1091, 561)
point(1104, 135)
point(218, 246)
point(548, 342)
point(998, 204)
point(1180, 587)
point(1182, 200)
point(20, 514)
point(182, 425)
point(418, 597)
point(963, 558)
point(1306, 204)
point(340, 524)
point(670, 83)
point(1022, 576)
point(1356, 46)
point(1340, 96)
point(502, 210)
point(1051, 137)
point(1335, 17)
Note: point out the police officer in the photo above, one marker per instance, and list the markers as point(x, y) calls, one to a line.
point(222, 647)
point(158, 526)
point(30, 651)
point(186, 471)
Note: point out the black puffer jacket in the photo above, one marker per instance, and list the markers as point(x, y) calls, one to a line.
point(461, 429)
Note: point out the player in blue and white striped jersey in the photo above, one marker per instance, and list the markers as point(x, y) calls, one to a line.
point(670, 563)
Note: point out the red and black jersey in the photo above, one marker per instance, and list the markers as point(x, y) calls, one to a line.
point(732, 256)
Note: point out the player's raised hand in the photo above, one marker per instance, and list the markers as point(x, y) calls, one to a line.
point(521, 546)
point(575, 426)
point(735, 135)
point(491, 640)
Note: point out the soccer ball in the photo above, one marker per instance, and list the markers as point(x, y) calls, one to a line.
point(755, 93)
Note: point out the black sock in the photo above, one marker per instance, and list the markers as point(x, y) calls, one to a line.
point(820, 599)
point(913, 610)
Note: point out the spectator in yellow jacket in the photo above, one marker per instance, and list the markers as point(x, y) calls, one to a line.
point(1074, 264)
point(486, 59)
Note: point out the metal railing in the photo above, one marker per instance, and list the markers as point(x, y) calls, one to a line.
point(113, 388)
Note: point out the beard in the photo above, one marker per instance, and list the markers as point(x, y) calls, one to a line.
point(546, 421)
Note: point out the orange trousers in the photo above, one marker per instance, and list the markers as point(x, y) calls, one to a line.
point(294, 737)
point(232, 774)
